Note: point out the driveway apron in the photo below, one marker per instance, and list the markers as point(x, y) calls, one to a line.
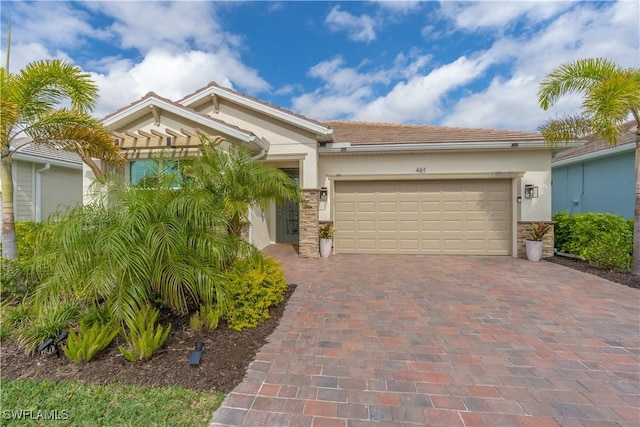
point(382, 340)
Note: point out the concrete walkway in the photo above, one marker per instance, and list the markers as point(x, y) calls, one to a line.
point(448, 341)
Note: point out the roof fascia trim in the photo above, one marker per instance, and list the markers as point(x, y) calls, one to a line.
point(384, 148)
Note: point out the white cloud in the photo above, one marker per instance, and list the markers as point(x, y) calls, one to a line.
point(419, 98)
point(358, 28)
point(171, 76)
point(397, 6)
point(511, 100)
point(473, 16)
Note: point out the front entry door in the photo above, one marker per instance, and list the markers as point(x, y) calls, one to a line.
point(287, 218)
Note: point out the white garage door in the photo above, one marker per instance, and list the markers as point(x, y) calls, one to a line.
point(463, 217)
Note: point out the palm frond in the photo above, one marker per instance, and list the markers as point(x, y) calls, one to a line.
point(574, 77)
point(563, 130)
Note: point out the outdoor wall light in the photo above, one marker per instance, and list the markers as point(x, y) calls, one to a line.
point(194, 357)
point(323, 194)
point(530, 191)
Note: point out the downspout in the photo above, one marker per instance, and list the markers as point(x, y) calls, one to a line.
point(38, 198)
point(261, 155)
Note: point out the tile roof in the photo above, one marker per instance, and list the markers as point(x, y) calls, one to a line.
point(44, 152)
point(394, 133)
point(594, 144)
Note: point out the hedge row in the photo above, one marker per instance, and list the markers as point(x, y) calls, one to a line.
point(604, 240)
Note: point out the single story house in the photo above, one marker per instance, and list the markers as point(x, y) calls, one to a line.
point(387, 188)
point(45, 179)
point(596, 177)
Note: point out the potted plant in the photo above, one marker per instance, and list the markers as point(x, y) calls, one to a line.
point(534, 242)
point(326, 233)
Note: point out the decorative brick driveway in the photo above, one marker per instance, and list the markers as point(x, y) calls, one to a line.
point(451, 341)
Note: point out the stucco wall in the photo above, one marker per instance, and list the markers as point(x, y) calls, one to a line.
point(534, 164)
point(286, 141)
point(600, 185)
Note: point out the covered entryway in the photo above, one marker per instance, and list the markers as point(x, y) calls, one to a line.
point(456, 216)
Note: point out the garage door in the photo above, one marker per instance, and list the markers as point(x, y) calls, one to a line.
point(462, 217)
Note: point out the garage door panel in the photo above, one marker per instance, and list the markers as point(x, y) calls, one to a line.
point(430, 217)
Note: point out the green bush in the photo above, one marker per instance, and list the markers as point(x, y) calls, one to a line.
point(16, 276)
point(83, 346)
point(145, 337)
point(562, 230)
point(605, 240)
point(45, 322)
point(208, 316)
point(253, 289)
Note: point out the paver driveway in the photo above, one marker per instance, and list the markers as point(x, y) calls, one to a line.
point(456, 341)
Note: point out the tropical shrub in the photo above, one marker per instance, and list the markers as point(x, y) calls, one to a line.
point(208, 316)
point(16, 276)
point(145, 337)
point(89, 341)
point(45, 322)
point(254, 287)
point(137, 245)
point(605, 240)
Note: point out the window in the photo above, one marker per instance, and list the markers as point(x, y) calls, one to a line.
point(140, 169)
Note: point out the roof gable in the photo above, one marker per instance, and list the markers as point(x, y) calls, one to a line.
point(151, 103)
point(213, 89)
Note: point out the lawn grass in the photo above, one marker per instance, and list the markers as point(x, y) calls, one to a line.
point(80, 404)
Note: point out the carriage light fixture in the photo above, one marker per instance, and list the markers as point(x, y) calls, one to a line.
point(323, 194)
point(530, 191)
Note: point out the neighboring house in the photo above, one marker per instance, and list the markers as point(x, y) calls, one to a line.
point(44, 180)
point(388, 188)
point(596, 177)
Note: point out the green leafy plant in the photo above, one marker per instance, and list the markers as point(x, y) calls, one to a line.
point(83, 346)
point(326, 231)
point(605, 240)
point(208, 316)
point(145, 337)
point(254, 288)
point(539, 230)
point(45, 322)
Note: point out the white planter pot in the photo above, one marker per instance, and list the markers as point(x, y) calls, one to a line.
point(325, 247)
point(534, 249)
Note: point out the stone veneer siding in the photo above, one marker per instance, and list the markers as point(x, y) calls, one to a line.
point(524, 228)
point(309, 224)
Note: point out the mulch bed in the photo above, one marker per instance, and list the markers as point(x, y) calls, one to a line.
point(225, 357)
point(621, 277)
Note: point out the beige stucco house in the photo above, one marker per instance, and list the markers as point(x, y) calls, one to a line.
point(387, 188)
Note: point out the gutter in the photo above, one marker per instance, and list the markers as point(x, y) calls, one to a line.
point(440, 146)
point(38, 198)
point(44, 161)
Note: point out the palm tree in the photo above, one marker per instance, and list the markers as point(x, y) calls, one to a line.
point(32, 104)
point(240, 181)
point(610, 94)
point(133, 245)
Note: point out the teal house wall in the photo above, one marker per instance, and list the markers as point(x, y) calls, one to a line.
point(596, 184)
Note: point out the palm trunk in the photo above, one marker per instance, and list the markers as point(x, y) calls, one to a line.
point(636, 216)
point(9, 248)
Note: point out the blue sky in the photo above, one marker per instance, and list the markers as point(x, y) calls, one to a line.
point(470, 64)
